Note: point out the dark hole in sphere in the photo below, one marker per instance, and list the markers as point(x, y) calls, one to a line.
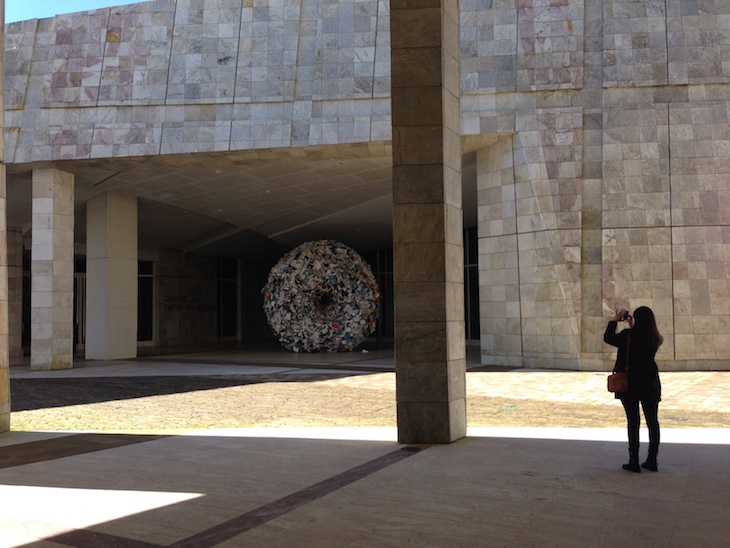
point(323, 301)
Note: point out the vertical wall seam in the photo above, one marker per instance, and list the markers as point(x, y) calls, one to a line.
point(167, 82)
point(517, 251)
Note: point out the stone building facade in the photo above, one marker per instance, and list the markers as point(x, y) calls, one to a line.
point(609, 186)
point(599, 130)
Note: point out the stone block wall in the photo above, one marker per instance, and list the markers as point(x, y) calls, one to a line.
point(604, 183)
point(181, 76)
point(4, 276)
point(608, 183)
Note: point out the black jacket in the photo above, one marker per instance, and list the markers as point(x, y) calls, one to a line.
point(643, 375)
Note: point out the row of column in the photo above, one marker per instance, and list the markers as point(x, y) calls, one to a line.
point(111, 275)
point(428, 246)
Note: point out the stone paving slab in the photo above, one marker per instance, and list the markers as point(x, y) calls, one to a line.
point(345, 398)
point(275, 456)
point(356, 487)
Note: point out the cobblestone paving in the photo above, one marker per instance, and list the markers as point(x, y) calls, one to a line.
point(511, 398)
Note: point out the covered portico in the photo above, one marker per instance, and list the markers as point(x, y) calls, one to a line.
point(196, 198)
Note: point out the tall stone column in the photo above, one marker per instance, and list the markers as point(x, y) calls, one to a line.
point(4, 357)
point(4, 322)
point(111, 277)
point(52, 270)
point(430, 348)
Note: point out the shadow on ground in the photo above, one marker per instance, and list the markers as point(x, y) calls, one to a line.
point(43, 393)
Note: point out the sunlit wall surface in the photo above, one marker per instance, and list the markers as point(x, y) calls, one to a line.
point(601, 133)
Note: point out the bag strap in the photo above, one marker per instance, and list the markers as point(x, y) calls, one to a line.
point(628, 345)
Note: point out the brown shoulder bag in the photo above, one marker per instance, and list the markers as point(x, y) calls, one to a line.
point(619, 381)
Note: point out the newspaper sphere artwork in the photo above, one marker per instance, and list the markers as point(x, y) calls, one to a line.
point(321, 297)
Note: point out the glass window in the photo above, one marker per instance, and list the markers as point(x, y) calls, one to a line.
point(227, 297)
point(145, 300)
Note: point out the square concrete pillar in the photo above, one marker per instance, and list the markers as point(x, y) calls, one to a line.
point(4, 335)
point(4, 356)
point(52, 270)
point(430, 348)
point(111, 277)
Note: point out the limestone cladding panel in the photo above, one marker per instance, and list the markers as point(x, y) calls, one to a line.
point(151, 53)
point(137, 56)
point(529, 185)
point(659, 43)
point(18, 55)
point(637, 270)
point(697, 38)
point(636, 169)
point(204, 51)
point(500, 323)
point(499, 300)
point(52, 270)
point(76, 59)
point(700, 154)
point(700, 271)
point(549, 273)
point(265, 77)
point(524, 46)
point(550, 146)
point(635, 43)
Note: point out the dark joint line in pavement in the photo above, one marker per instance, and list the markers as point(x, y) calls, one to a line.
point(82, 538)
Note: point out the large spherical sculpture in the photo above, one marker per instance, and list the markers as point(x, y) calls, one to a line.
point(321, 297)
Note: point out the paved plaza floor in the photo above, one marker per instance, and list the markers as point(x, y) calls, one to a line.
point(267, 448)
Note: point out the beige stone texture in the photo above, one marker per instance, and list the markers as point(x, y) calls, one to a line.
point(427, 226)
point(52, 270)
point(601, 130)
point(8, 344)
point(111, 274)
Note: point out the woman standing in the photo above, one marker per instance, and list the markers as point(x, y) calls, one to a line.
point(640, 343)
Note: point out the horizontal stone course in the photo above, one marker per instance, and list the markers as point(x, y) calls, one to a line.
point(601, 132)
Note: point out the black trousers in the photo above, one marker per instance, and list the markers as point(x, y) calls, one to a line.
point(651, 415)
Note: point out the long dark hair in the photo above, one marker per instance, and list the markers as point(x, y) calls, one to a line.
point(645, 327)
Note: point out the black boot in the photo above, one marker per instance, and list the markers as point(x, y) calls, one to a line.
point(633, 464)
point(650, 463)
